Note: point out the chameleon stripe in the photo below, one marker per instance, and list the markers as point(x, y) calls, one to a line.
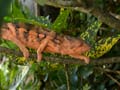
point(26, 35)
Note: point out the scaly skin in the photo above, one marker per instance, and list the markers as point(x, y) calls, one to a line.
point(44, 41)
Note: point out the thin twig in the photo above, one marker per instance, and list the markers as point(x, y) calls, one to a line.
point(67, 76)
point(112, 71)
point(107, 70)
point(117, 82)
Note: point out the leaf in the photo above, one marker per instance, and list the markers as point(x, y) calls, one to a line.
point(103, 46)
point(40, 21)
point(90, 34)
point(43, 21)
point(22, 72)
point(61, 22)
point(2, 80)
point(4, 8)
point(16, 10)
point(86, 87)
point(4, 71)
point(8, 44)
point(24, 15)
point(13, 73)
point(98, 48)
point(85, 71)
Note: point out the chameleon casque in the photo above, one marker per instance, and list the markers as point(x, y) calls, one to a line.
point(44, 40)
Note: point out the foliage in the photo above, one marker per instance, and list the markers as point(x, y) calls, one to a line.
point(61, 22)
point(99, 47)
point(4, 9)
point(54, 76)
point(16, 15)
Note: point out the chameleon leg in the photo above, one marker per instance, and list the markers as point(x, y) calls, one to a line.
point(41, 48)
point(11, 35)
point(12, 28)
point(21, 46)
point(43, 45)
point(85, 58)
point(8, 35)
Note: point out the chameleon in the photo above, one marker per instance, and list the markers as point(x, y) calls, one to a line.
point(44, 40)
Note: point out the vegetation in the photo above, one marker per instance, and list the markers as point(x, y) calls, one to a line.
point(95, 21)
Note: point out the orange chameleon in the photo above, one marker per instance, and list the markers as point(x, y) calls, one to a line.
point(44, 41)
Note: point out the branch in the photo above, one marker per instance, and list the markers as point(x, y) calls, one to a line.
point(107, 73)
point(63, 60)
point(115, 80)
point(80, 5)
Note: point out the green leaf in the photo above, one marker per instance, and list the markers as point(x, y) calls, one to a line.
point(61, 22)
point(103, 46)
point(40, 21)
point(8, 44)
point(4, 8)
point(16, 10)
point(4, 71)
point(21, 73)
point(18, 14)
point(90, 34)
point(86, 87)
point(2, 80)
point(85, 71)
point(98, 48)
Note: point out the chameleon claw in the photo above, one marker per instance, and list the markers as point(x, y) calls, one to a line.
point(87, 60)
point(26, 54)
point(39, 57)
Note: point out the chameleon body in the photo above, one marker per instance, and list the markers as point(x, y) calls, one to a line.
point(44, 41)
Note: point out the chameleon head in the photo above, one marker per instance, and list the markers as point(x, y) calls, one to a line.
point(76, 45)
